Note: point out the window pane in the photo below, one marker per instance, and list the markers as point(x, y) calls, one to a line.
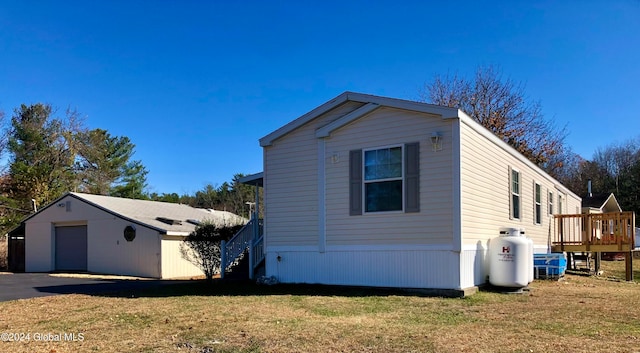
point(538, 196)
point(384, 196)
point(515, 179)
point(538, 215)
point(516, 206)
point(385, 163)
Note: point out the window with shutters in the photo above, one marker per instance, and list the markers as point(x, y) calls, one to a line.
point(383, 179)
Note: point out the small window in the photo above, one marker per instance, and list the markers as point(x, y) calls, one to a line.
point(559, 203)
point(538, 204)
point(515, 194)
point(550, 203)
point(383, 178)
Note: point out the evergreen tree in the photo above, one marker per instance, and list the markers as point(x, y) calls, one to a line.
point(41, 164)
point(102, 158)
point(132, 182)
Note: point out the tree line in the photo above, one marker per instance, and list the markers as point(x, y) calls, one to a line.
point(44, 156)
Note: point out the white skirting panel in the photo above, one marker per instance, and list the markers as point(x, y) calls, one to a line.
point(474, 267)
point(437, 269)
point(474, 264)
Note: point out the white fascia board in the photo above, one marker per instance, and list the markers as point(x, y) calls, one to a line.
point(326, 130)
point(464, 118)
point(612, 196)
point(437, 110)
point(444, 112)
point(178, 234)
point(268, 140)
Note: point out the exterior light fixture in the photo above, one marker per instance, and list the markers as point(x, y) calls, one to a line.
point(436, 141)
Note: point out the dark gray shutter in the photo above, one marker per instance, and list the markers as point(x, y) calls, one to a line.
point(355, 182)
point(412, 177)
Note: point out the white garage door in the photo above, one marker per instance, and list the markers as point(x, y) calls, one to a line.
point(71, 248)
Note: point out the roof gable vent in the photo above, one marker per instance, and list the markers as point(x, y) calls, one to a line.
point(169, 221)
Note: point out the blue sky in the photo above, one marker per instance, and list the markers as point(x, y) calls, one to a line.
point(195, 84)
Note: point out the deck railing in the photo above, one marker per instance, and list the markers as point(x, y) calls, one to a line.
point(248, 237)
point(594, 232)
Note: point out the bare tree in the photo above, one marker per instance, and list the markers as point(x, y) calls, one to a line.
point(501, 106)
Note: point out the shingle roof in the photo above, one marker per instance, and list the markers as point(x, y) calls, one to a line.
point(603, 202)
point(595, 200)
point(157, 215)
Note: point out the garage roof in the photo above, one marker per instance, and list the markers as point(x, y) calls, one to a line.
point(165, 217)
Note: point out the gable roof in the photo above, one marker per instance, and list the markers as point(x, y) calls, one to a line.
point(164, 217)
point(370, 102)
point(600, 201)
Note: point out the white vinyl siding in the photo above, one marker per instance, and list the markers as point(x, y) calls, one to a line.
point(291, 183)
point(486, 190)
point(391, 127)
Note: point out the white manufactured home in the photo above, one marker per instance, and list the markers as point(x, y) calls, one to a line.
point(374, 191)
point(111, 235)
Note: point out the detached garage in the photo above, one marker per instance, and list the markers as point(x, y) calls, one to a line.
point(111, 235)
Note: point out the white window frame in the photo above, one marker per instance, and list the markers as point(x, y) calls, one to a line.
point(365, 181)
point(550, 204)
point(560, 199)
point(537, 203)
point(518, 194)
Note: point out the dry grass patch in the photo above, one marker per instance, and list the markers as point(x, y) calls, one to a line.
point(579, 314)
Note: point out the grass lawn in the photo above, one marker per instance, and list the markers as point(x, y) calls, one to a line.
point(577, 314)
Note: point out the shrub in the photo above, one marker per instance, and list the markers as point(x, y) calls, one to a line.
point(202, 246)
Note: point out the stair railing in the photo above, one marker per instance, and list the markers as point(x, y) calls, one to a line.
point(232, 249)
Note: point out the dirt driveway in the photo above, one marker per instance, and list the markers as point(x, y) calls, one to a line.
point(31, 285)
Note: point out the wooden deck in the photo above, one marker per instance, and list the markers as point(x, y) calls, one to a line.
point(603, 232)
point(596, 232)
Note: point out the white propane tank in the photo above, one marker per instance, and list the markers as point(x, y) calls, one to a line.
point(530, 259)
point(509, 257)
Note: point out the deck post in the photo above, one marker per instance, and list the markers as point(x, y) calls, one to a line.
point(628, 268)
point(560, 228)
point(588, 235)
point(598, 259)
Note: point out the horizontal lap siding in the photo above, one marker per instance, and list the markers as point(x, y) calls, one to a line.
point(291, 183)
point(384, 127)
point(485, 192)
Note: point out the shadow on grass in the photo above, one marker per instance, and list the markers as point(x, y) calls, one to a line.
point(160, 289)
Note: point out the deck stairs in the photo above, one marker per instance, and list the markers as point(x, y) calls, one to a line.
point(242, 257)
